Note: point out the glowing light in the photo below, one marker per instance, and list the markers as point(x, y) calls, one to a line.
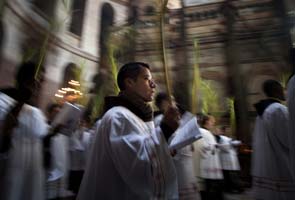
point(62, 91)
point(59, 96)
point(75, 83)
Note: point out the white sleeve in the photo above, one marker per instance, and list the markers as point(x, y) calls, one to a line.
point(224, 147)
point(225, 144)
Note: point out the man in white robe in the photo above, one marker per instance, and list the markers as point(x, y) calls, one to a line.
point(21, 163)
point(272, 177)
point(129, 158)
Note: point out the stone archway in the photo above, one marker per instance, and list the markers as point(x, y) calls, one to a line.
point(70, 73)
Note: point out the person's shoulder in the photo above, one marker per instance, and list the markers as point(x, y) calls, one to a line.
point(158, 118)
point(225, 138)
point(5, 99)
point(117, 112)
point(292, 82)
point(35, 112)
point(276, 110)
point(204, 131)
point(276, 107)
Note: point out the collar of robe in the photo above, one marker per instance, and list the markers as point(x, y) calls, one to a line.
point(218, 138)
point(263, 104)
point(132, 102)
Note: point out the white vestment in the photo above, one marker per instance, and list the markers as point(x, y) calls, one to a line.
point(291, 107)
point(272, 179)
point(183, 162)
point(228, 154)
point(210, 166)
point(196, 163)
point(129, 160)
point(60, 158)
point(158, 119)
point(57, 176)
point(79, 149)
point(25, 178)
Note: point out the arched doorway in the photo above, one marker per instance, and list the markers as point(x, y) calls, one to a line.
point(70, 73)
point(107, 21)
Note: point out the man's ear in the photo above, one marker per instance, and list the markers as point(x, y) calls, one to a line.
point(128, 82)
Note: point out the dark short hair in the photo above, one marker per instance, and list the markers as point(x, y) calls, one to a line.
point(203, 118)
point(129, 70)
point(273, 88)
point(52, 106)
point(26, 72)
point(161, 96)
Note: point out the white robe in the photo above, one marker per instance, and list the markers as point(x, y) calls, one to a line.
point(272, 179)
point(196, 163)
point(291, 108)
point(158, 119)
point(228, 154)
point(210, 166)
point(79, 149)
point(128, 160)
point(183, 162)
point(60, 158)
point(57, 176)
point(24, 173)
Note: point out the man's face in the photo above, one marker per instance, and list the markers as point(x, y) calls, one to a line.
point(143, 85)
point(164, 105)
point(34, 86)
point(210, 123)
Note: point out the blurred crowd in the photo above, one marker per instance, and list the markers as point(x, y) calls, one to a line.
point(125, 154)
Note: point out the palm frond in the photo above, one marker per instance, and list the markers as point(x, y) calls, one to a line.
point(163, 4)
point(210, 98)
point(232, 115)
point(196, 80)
point(284, 79)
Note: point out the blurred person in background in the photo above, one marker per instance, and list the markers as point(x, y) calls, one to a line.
point(80, 142)
point(162, 102)
point(57, 165)
point(229, 160)
point(271, 172)
point(187, 186)
point(23, 127)
point(291, 108)
point(210, 166)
